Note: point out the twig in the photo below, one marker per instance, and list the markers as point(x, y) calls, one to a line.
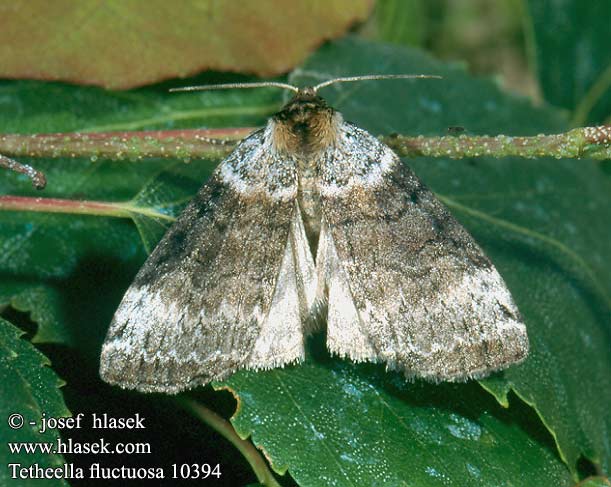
point(178, 144)
point(224, 428)
point(590, 142)
point(39, 181)
point(78, 207)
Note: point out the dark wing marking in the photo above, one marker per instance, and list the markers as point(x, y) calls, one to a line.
point(407, 284)
point(220, 291)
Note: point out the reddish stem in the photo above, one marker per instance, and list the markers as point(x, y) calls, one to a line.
point(57, 205)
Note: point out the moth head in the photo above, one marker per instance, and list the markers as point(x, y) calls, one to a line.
point(306, 123)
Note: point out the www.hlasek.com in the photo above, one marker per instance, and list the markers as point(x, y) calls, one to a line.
point(67, 446)
point(61, 447)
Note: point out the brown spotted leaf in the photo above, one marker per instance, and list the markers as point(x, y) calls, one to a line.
point(130, 43)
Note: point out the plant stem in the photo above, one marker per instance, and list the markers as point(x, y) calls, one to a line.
point(590, 142)
point(224, 428)
point(56, 205)
point(38, 179)
point(80, 207)
point(177, 144)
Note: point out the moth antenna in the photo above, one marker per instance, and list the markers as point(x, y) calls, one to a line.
point(365, 77)
point(229, 86)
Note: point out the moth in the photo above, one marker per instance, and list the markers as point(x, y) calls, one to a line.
point(312, 219)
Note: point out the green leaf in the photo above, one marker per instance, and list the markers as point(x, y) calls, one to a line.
point(360, 425)
point(574, 67)
point(28, 388)
point(32, 107)
point(594, 482)
point(44, 303)
point(136, 44)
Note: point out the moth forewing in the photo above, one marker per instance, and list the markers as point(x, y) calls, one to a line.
point(210, 297)
point(429, 300)
point(312, 215)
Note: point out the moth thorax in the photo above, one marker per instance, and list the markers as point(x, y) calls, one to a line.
point(304, 129)
point(305, 125)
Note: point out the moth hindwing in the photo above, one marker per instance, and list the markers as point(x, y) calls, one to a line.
point(312, 215)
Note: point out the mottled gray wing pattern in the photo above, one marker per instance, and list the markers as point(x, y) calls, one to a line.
point(220, 290)
point(406, 283)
